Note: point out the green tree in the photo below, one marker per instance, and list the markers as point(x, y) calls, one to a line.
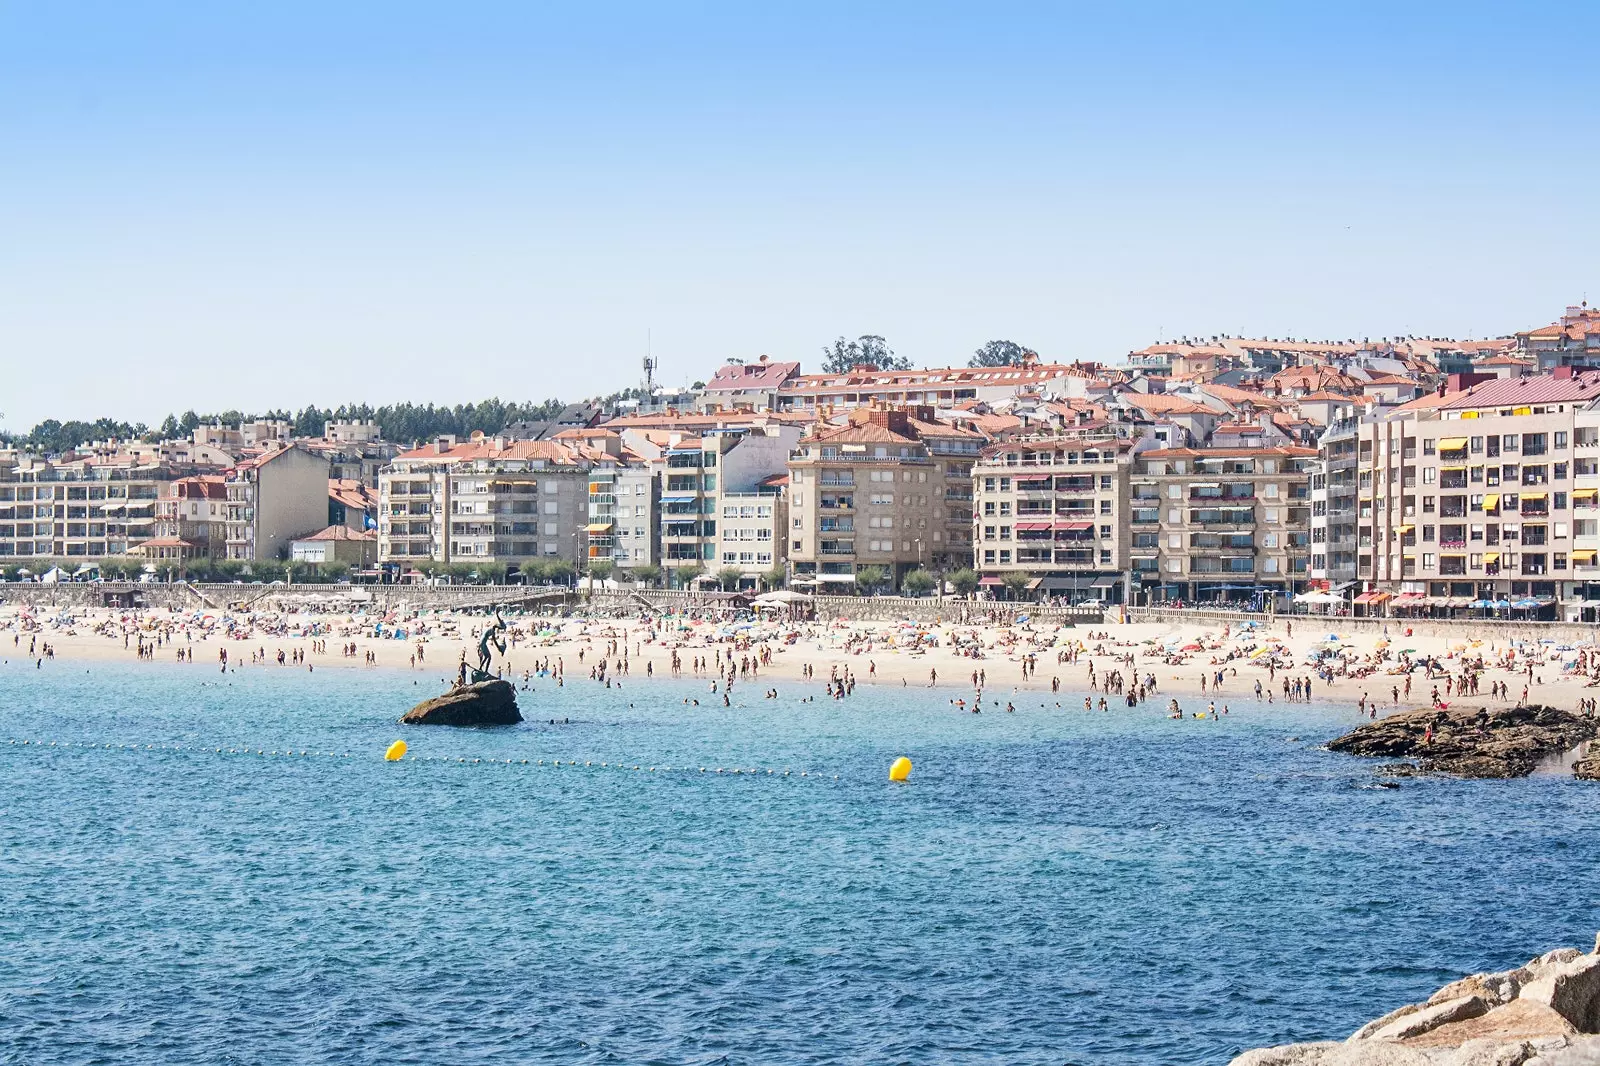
point(648, 575)
point(775, 578)
point(534, 572)
point(459, 573)
point(335, 571)
point(964, 581)
point(601, 569)
point(917, 583)
point(561, 572)
point(870, 579)
point(492, 572)
point(685, 575)
point(728, 578)
point(1016, 582)
point(844, 355)
point(229, 569)
point(1001, 353)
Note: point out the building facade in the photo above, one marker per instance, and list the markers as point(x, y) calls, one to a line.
point(1221, 523)
point(1056, 510)
point(273, 498)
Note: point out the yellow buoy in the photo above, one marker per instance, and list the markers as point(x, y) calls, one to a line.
point(900, 769)
point(396, 752)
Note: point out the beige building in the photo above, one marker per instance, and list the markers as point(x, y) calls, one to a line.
point(1055, 509)
point(1220, 523)
point(82, 509)
point(355, 548)
point(273, 498)
point(888, 489)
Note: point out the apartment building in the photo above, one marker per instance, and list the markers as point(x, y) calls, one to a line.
point(624, 509)
point(488, 500)
point(1221, 523)
point(701, 475)
point(273, 498)
point(191, 521)
point(1057, 510)
point(1477, 497)
point(85, 509)
point(886, 490)
point(933, 388)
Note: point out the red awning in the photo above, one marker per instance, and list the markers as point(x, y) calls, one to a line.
point(989, 581)
point(1372, 597)
point(1071, 526)
point(1411, 597)
point(1031, 527)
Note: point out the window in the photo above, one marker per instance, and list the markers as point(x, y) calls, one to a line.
point(1560, 530)
point(1427, 447)
point(1560, 502)
point(1560, 439)
point(1105, 506)
point(1429, 475)
point(1427, 560)
point(1105, 531)
point(1269, 490)
point(1476, 445)
point(1174, 492)
point(1509, 442)
point(1427, 533)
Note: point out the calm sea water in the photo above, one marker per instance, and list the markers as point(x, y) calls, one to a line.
point(1051, 886)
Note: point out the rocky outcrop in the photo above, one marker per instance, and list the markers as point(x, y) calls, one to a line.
point(485, 703)
point(1471, 741)
point(1540, 1014)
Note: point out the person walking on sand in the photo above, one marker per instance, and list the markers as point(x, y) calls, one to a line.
point(933, 676)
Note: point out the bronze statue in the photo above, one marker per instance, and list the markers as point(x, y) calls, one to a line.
point(491, 638)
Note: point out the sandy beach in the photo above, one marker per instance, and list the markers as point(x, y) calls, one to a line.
point(1184, 660)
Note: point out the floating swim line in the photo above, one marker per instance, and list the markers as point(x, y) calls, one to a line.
point(463, 760)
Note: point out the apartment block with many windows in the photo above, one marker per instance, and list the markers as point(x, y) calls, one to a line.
point(875, 493)
point(1475, 498)
point(1221, 523)
point(1055, 509)
point(697, 473)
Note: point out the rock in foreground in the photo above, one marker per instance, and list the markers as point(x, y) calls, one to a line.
point(485, 703)
point(1536, 1015)
point(1471, 741)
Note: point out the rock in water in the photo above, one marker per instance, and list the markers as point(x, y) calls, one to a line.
point(1471, 741)
point(486, 703)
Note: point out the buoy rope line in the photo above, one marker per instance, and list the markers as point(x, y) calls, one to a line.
point(287, 753)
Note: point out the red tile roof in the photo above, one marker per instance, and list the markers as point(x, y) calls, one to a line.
point(762, 374)
point(1517, 392)
point(341, 533)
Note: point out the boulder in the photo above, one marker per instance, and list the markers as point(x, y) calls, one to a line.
point(1417, 1022)
point(1571, 988)
point(485, 703)
point(1470, 741)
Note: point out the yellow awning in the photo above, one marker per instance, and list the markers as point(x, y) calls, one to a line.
point(1585, 556)
point(1532, 497)
point(1403, 530)
point(598, 527)
point(1584, 494)
point(1491, 503)
point(1491, 557)
point(1443, 469)
point(1522, 410)
point(1469, 414)
point(1450, 444)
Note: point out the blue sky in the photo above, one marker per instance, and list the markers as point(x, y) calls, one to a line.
point(255, 206)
